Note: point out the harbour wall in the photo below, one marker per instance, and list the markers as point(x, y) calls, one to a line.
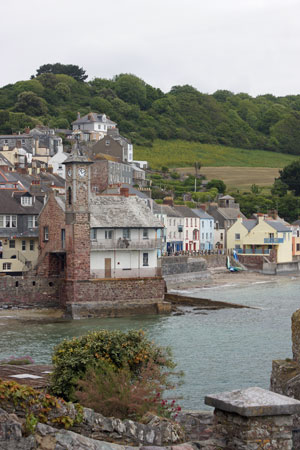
point(87, 298)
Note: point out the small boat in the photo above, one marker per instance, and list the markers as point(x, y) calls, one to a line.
point(232, 268)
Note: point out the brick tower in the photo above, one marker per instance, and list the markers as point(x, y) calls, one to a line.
point(77, 215)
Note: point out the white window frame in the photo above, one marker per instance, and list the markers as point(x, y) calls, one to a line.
point(6, 266)
point(32, 221)
point(8, 221)
point(108, 234)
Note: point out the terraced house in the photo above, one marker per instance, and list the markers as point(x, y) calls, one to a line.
point(18, 231)
point(261, 240)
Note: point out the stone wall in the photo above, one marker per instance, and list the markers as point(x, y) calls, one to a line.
point(285, 376)
point(172, 265)
point(115, 297)
point(30, 292)
point(215, 260)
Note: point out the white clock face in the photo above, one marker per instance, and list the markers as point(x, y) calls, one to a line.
point(69, 172)
point(81, 172)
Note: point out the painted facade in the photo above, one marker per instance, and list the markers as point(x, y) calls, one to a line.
point(206, 231)
point(262, 237)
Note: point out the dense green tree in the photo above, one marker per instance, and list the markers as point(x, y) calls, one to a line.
point(63, 90)
point(290, 175)
point(67, 69)
point(31, 104)
point(219, 184)
point(279, 188)
point(131, 89)
point(287, 133)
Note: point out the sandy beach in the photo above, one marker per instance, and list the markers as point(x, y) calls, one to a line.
point(222, 277)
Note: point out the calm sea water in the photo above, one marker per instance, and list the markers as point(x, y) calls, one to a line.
point(218, 351)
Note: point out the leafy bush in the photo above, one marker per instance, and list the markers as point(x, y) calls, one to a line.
point(73, 358)
point(37, 406)
point(115, 392)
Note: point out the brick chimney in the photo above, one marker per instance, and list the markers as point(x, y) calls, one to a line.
point(124, 192)
point(168, 201)
point(203, 207)
point(27, 130)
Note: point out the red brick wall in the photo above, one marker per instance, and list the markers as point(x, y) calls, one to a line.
point(30, 292)
point(53, 217)
point(255, 262)
point(99, 176)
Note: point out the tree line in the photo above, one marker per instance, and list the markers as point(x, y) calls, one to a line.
point(144, 113)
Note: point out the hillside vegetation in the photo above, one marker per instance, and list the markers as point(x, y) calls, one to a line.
point(145, 114)
point(178, 153)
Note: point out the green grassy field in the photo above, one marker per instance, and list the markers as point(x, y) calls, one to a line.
point(179, 153)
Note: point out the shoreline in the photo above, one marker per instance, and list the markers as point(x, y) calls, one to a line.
point(219, 278)
point(222, 278)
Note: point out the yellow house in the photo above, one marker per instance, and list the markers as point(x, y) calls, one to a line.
point(262, 238)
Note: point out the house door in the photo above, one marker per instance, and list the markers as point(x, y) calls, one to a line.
point(107, 262)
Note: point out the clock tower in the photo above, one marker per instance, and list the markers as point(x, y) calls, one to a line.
point(77, 215)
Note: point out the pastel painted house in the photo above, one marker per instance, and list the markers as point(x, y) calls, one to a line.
point(206, 230)
point(296, 240)
point(261, 239)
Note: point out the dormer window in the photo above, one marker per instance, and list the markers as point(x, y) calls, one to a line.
point(26, 201)
point(107, 143)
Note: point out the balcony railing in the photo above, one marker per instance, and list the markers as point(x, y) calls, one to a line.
point(273, 240)
point(126, 244)
point(250, 251)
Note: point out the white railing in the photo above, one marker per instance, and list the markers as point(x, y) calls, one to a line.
point(125, 244)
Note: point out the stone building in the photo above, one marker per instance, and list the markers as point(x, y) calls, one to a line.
point(104, 248)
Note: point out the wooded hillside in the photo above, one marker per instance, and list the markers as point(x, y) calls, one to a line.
point(145, 113)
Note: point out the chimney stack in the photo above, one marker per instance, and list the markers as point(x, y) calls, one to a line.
point(124, 192)
point(78, 115)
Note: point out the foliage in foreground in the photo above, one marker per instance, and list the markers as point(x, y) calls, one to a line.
point(35, 406)
point(73, 358)
point(116, 393)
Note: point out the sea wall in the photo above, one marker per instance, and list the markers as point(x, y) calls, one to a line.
point(30, 292)
point(88, 298)
point(115, 297)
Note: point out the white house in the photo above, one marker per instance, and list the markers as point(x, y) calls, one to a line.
point(125, 237)
point(57, 162)
point(173, 231)
point(93, 124)
point(191, 228)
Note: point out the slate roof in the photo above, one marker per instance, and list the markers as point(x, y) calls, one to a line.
point(230, 213)
point(277, 225)
point(121, 212)
point(92, 117)
point(249, 223)
point(166, 210)
point(202, 214)
point(185, 211)
point(131, 190)
point(10, 204)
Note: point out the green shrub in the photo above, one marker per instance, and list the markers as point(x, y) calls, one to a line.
point(72, 358)
point(116, 392)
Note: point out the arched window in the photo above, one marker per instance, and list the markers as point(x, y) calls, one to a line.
point(69, 195)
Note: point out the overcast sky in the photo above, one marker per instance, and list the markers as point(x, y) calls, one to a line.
point(248, 46)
